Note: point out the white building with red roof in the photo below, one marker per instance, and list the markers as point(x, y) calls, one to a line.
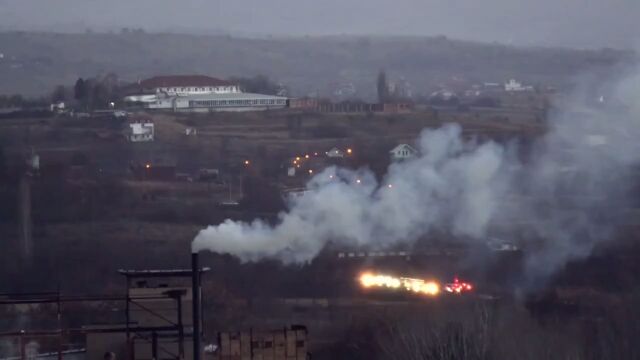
point(185, 85)
point(197, 93)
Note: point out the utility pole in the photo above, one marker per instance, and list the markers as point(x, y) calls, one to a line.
point(24, 208)
point(29, 167)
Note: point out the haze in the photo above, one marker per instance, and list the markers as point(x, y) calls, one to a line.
point(575, 23)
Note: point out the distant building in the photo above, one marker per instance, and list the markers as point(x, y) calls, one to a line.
point(443, 96)
point(281, 344)
point(206, 174)
point(396, 108)
point(185, 85)
point(57, 107)
point(403, 152)
point(141, 131)
point(335, 153)
point(195, 93)
point(491, 86)
point(304, 103)
point(514, 86)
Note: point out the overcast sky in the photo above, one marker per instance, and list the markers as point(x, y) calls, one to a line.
point(576, 23)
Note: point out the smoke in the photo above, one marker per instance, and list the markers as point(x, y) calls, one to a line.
point(579, 185)
point(452, 185)
point(568, 195)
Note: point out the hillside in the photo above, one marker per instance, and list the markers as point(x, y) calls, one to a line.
point(33, 63)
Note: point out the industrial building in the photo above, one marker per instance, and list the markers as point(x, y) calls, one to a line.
point(281, 344)
point(199, 94)
point(161, 319)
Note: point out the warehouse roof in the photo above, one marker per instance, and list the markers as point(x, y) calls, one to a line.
point(183, 81)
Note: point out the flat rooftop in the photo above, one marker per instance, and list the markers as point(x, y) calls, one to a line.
point(232, 96)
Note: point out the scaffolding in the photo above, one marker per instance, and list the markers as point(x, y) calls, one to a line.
point(153, 316)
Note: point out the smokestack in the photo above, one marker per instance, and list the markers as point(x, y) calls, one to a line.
point(195, 288)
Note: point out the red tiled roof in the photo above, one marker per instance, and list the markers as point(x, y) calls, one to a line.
point(182, 81)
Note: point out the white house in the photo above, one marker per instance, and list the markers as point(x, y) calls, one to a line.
point(403, 152)
point(335, 153)
point(141, 131)
point(514, 86)
point(57, 107)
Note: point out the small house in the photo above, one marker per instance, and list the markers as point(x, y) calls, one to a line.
point(403, 152)
point(141, 131)
point(335, 153)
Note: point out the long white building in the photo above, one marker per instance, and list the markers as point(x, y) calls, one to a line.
point(185, 85)
point(199, 94)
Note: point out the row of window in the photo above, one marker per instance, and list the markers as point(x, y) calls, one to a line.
point(254, 102)
point(201, 89)
point(269, 344)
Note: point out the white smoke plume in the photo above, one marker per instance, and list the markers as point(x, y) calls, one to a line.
point(580, 181)
point(569, 193)
point(452, 184)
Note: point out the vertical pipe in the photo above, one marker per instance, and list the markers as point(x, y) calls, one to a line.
point(154, 345)
point(180, 329)
point(23, 354)
point(128, 352)
point(59, 326)
point(195, 291)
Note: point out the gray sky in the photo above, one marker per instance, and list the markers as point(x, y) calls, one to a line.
point(576, 23)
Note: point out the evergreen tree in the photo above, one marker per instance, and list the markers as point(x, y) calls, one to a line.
point(383, 88)
point(80, 90)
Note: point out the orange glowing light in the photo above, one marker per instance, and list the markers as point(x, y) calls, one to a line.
point(247, 162)
point(458, 287)
point(297, 158)
point(349, 151)
point(418, 286)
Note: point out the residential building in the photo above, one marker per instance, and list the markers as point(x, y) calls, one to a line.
point(403, 152)
point(515, 86)
point(141, 131)
point(335, 153)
